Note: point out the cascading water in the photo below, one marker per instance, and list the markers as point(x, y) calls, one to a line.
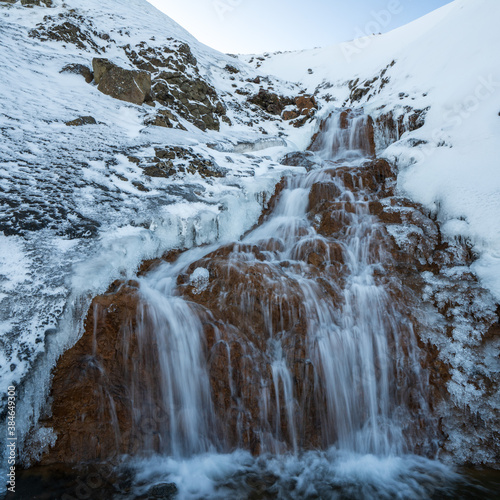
point(350, 336)
point(348, 135)
point(295, 339)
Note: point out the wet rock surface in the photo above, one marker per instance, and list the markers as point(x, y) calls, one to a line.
point(97, 399)
point(355, 131)
point(248, 301)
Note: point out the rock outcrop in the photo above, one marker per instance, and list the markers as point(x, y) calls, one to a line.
point(172, 161)
point(177, 83)
point(30, 3)
point(93, 407)
point(124, 84)
point(82, 120)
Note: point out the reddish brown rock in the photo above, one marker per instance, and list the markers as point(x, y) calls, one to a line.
point(248, 302)
point(91, 397)
point(305, 102)
point(322, 191)
point(290, 115)
point(351, 123)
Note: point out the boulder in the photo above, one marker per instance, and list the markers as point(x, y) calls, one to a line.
point(290, 115)
point(270, 102)
point(231, 69)
point(305, 102)
point(163, 491)
point(101, 66)
point(163, 118)
point(124, 84)
point(299, 159)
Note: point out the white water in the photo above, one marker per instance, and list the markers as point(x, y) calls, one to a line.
point(354, 348)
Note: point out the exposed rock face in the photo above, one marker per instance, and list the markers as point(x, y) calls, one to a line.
point(95, 410)
point(195, 96)
point(169, 162)
point(299, 159)
point(31, 3)
point(163, 118)
point(124, 84)
point(305, 103)
point(290, 115)
point(82, 120)
point(274, 104)
point(391, 125)
point(178, 85)
point(353, 127)
point(368, 88)
point(270, 102)
point(92, 384)
point(70, 28)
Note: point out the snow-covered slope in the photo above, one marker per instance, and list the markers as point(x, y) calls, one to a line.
point(443, 61)
point(77, 210)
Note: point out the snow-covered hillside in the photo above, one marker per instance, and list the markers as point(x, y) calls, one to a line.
point(77, 209)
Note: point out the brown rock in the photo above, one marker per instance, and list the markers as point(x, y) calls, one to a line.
point(92, 400)
point(82, 120)
point(126, 85)
point(290, 115)
point(304, 102)
point(31, 3)
point(364, 133)
point(322, 191)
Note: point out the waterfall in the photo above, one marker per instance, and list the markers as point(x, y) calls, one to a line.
point(345, 135)
point(337, 321)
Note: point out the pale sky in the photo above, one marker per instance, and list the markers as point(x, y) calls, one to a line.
point(255, 26)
